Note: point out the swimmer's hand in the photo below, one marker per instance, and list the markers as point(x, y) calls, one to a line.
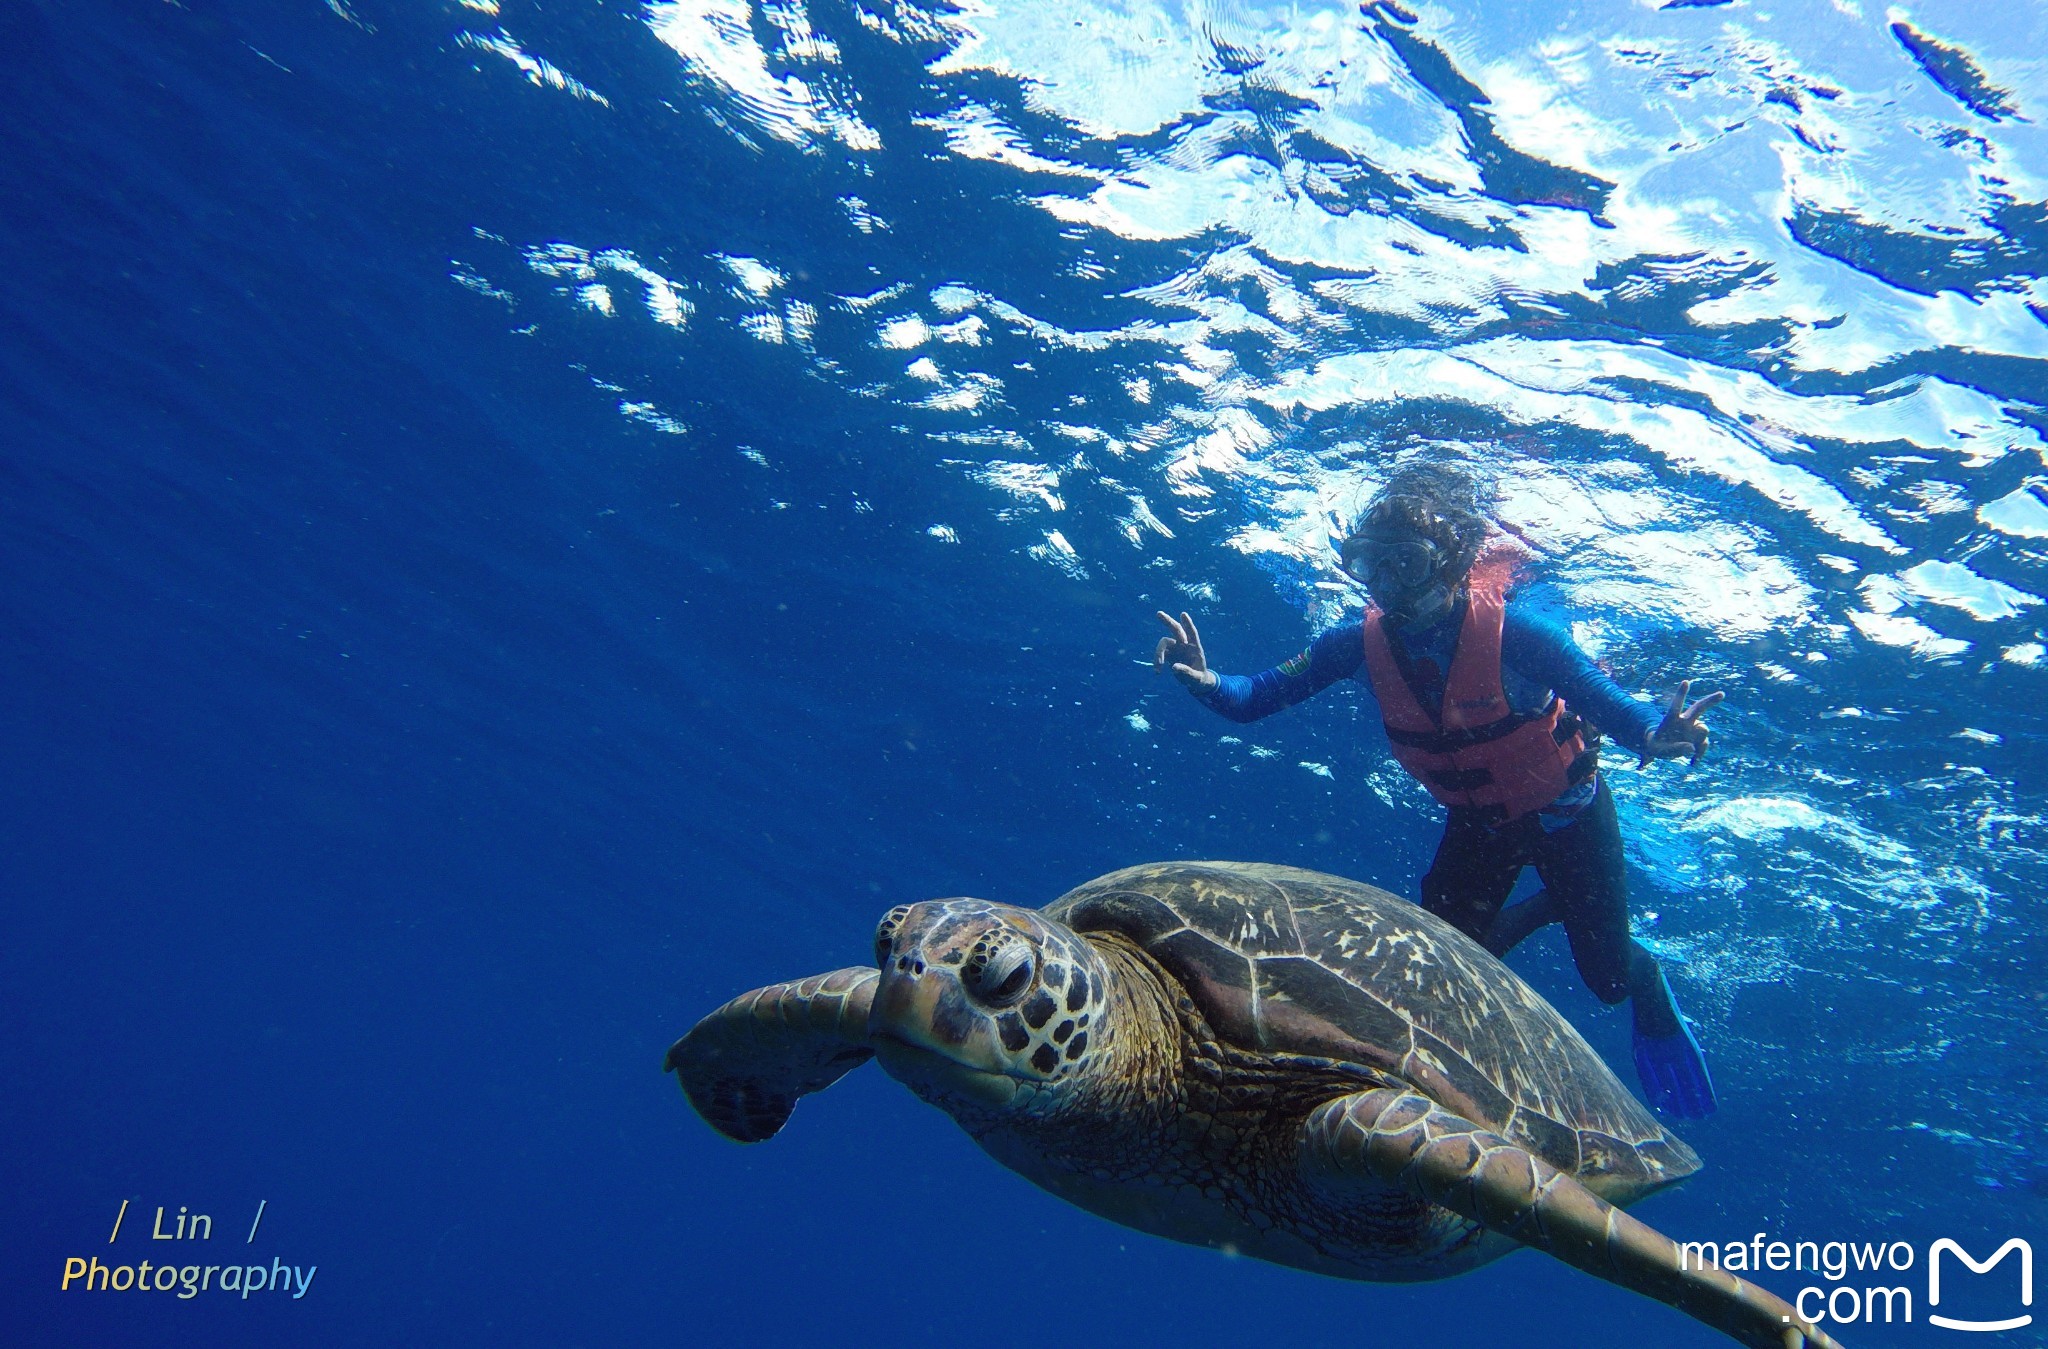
point(1180, 654)
point(1681, 735)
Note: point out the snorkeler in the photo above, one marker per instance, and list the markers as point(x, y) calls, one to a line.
point(1494, 710)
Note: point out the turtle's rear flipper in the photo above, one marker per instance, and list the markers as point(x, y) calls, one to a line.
point(1404, 1139)
point(744, 1066)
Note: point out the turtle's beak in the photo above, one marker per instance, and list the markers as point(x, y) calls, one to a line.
point(928, 1034)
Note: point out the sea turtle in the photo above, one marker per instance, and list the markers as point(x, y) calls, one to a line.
point(1255, 1058)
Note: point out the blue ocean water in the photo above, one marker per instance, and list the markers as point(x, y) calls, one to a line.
point(521, 521)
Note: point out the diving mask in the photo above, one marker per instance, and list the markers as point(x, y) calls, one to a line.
point(1389, 563)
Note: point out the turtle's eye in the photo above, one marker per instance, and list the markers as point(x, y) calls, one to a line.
point(999, 969)
point(885, 932)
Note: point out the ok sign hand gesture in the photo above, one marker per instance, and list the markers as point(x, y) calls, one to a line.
point(1180, 652)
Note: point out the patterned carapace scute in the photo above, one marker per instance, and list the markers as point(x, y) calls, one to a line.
point(1286, 961)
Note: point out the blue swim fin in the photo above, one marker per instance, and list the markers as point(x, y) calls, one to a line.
point(1672, 1066)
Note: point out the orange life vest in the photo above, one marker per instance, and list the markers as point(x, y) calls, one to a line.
point(1475, 751)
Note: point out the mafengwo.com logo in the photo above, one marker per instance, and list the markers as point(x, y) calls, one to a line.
point(1948, 1247)
point(1873, 1282)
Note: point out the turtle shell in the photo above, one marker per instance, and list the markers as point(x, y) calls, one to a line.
point(1285, 961)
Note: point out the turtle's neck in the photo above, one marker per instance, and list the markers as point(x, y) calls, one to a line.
point(1147, 1060)
point(1118, 1119)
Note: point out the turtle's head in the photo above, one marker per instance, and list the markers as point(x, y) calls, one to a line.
point(986, 1008)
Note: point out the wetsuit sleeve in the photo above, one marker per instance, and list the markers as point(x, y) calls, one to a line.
point(1542, 651)
point(1335, 655)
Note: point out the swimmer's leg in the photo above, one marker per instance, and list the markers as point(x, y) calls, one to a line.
point(1475, 867)
point(1582, 865)
point(1520, 921)
point(1584, 870)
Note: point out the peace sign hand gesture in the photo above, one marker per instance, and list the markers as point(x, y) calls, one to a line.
point(1681, 734)
point(1180, 653)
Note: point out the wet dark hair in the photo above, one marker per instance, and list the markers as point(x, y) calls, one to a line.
point(1432, 501)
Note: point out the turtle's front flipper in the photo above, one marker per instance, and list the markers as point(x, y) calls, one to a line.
point(1404, 1139)
point(744, 1066)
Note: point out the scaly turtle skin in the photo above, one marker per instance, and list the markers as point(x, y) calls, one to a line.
point(1254, 1058)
